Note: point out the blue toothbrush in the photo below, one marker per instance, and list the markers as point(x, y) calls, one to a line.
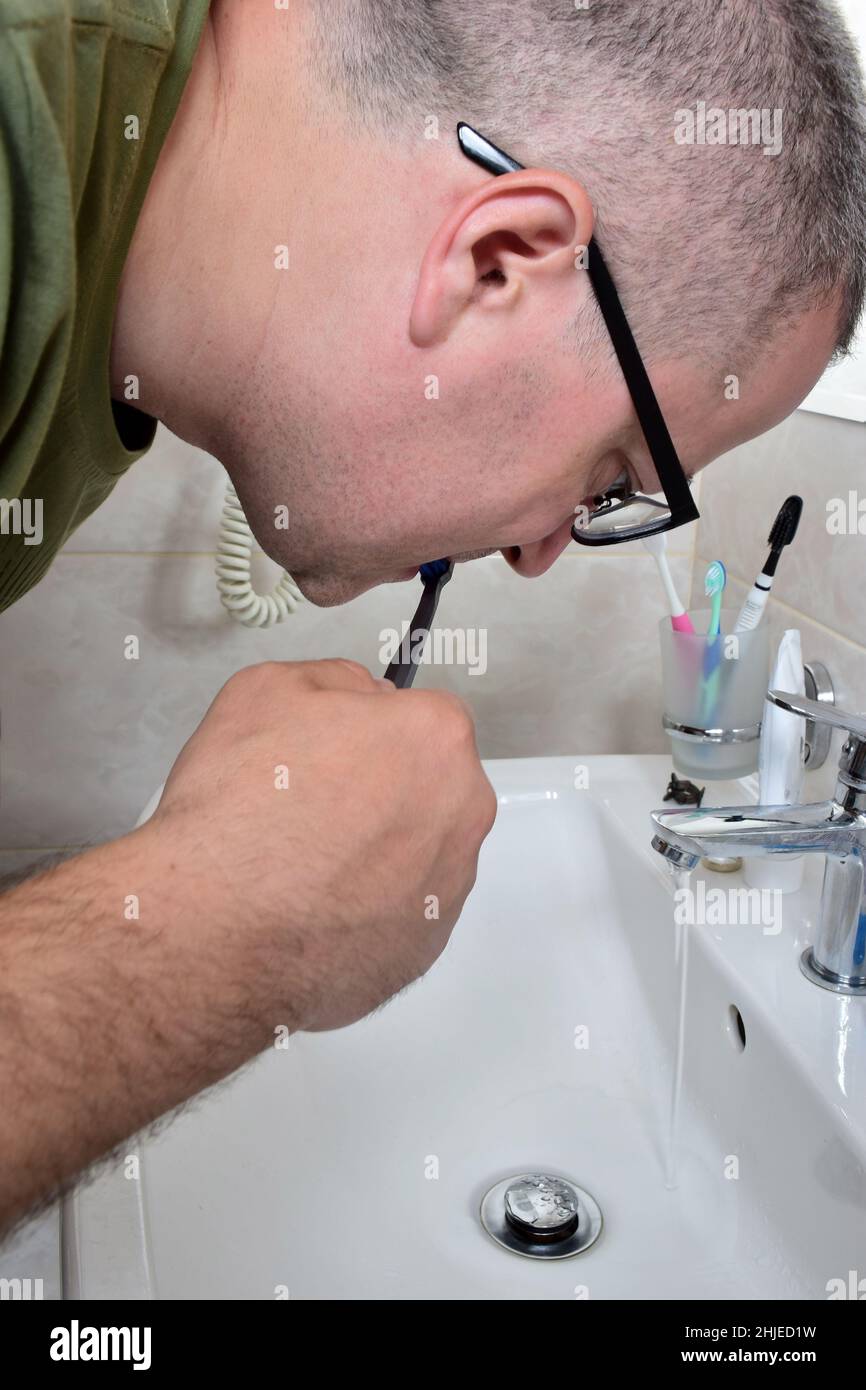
point(714, 586)
point(434, 577)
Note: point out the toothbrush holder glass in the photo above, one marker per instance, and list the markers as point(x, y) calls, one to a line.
point(714, 695)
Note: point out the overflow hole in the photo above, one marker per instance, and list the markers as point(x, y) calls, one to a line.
point(736, 1028)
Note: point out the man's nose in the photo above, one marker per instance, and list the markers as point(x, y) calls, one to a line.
point(537, 557)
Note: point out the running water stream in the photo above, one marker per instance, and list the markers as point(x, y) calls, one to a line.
point(681, 959)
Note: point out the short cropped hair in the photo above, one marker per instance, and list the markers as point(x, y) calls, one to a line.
point(722, 142)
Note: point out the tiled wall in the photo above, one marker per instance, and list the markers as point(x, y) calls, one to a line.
point(821, 584)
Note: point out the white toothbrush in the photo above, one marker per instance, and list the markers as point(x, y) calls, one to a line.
point(657, 546)
point(783, 532)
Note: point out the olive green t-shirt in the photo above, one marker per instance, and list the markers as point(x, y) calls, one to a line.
point(88, 91)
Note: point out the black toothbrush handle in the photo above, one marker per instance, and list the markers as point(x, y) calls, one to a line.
point(403, 673)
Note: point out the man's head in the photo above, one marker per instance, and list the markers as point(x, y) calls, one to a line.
point(424, 371)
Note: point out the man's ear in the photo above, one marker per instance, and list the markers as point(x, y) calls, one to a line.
point(517, 229)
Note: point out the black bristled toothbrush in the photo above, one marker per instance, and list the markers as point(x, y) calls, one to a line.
point(434, 578)
point(783, 532)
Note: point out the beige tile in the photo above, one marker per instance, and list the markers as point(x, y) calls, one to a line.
point(821, 459)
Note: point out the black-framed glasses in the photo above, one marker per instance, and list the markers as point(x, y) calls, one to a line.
point(617, 514)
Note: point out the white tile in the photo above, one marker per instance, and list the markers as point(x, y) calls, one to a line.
point(820, 459)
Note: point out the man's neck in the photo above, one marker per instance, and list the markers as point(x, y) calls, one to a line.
point(203, 215)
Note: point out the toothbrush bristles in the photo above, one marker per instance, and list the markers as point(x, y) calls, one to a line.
point(786, 523)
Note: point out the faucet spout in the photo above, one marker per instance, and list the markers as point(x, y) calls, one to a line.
point(835, 828)
point(822, 828)
point(675, 854)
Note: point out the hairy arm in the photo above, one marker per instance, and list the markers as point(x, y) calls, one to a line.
point(141, 972)
point(123, 992)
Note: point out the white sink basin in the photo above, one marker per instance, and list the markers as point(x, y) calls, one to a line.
point(314, 1170)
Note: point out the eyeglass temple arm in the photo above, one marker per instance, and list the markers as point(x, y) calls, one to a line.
point(647, 409)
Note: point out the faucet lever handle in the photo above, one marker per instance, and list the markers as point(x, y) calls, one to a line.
point(852, 724)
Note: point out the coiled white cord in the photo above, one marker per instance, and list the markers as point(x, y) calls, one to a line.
point(234, 552)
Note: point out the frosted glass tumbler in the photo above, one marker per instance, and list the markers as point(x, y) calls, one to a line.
point(714, 696)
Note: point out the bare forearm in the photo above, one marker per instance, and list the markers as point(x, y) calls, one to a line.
point(120, 997)
point(139, 973)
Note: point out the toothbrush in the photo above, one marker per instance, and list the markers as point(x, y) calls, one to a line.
point(714, 587)
point(783, 532)
point(657, 546)
point(434, 577)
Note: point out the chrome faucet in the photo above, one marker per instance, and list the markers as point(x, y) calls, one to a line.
point(836, 828)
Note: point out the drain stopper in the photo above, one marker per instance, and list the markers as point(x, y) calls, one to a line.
point(542, 1208)
point(541, 1216)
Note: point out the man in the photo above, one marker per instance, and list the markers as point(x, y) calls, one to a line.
point(253, 221)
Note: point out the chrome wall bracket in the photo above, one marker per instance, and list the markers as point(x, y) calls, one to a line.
point(819, 686)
